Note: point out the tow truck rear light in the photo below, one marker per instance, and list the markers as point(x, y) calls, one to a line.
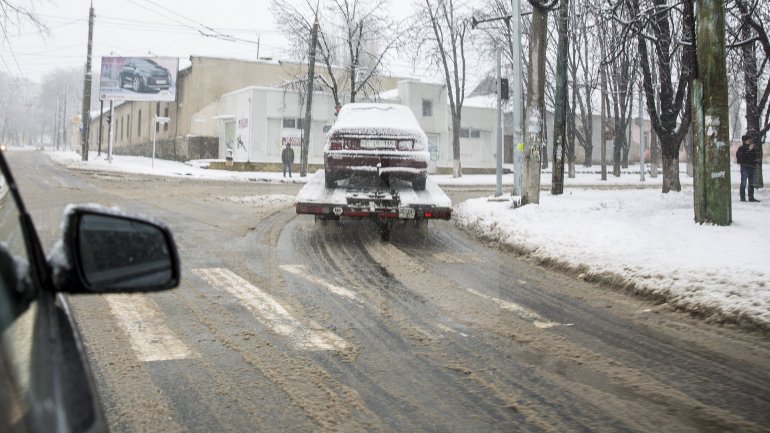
point(311, 209)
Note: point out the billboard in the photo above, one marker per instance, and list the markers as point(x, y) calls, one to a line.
point(138, 79)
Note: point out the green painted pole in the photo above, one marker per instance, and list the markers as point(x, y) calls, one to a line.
point(712, 200)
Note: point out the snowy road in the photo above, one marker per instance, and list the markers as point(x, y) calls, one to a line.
point(282, 324)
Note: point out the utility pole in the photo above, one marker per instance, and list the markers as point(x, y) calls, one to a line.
point(603, 135)
point(101, 116)
point(560, 118)
point(110, 132)
point(499, 134)
point(64, 118)
point(518, 102)
point(711, 117)
point(85, 118)
point(499, 114)
point(641, 137)
point(56, 122)
point(309, 106)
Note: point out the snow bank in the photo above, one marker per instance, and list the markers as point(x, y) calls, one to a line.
point(645, 241)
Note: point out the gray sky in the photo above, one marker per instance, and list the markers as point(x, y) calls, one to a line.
point(144, 27)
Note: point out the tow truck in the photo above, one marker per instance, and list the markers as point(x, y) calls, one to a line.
point(369, 197)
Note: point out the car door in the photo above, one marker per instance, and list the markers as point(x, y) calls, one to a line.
point(45, 381)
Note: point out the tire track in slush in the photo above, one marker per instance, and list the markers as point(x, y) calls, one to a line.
point(657, 351)
point(629, 382)
point(395, 337)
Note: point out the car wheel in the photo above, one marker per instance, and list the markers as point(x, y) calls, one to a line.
point(136, 84)
point(418, 184)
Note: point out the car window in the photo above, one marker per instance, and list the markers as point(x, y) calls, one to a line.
point(16, 319)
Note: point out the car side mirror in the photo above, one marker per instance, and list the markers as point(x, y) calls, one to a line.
point(106, 251)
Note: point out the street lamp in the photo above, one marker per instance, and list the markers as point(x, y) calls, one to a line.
point(499, 163)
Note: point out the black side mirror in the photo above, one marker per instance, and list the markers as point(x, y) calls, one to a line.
point(106, 251)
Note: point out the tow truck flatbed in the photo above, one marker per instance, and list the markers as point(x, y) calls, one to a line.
point(367, 198)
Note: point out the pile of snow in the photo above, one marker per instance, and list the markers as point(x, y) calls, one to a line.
point(645, 241)
point(159, 167)
point(261, 200)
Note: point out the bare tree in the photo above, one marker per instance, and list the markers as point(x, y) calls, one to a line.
point(441, 34)
point(354, 38)
point(747, 33)
point(560, 112)
point(664, 34)
point(58, 102)
point(584, 73)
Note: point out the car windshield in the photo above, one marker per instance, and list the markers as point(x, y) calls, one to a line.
point(385, 216)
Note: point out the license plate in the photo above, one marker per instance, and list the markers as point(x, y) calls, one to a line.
point(406, 213)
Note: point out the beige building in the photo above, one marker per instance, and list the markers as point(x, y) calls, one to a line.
point(193, 131)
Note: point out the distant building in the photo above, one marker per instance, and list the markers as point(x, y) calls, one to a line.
point(193, 131)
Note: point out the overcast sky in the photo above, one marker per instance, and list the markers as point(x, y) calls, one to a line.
point(145, 27)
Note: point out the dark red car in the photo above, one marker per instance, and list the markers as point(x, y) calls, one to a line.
point(376, 138)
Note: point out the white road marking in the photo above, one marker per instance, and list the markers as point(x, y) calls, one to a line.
point(445, 328)
point(146, 329)
point(271, 313)
point(301, 271)
point(517, 309)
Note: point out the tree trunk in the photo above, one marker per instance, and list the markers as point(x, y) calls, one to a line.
point(670, 166)
point(535, 120)
point(560, 115)
point(457, 170)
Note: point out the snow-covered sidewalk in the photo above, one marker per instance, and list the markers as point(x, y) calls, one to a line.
point(640, 239)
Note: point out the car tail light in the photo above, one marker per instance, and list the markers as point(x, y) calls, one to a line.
point(335, 145)
point(405, 145)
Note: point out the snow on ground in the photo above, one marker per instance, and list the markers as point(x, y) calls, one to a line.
point(625, 233)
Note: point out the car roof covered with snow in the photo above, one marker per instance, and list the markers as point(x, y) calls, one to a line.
point(376, 119)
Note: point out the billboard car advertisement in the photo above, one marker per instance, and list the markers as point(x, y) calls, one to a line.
point(138, 79)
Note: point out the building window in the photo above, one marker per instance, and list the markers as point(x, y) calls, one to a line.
point(139, 124)
point(470, 133)
point(427, 108)
point(292, 123)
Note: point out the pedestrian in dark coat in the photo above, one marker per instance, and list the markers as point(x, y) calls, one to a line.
point(747, 156)
point(287, 157)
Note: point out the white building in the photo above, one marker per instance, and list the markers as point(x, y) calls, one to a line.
point(255, 123)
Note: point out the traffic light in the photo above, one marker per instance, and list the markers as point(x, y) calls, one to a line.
point(504, 89)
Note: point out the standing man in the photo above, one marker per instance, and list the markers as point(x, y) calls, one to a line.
point(287, 157)
point(747, 158)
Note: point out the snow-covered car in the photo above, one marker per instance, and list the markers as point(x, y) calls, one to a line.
point(144, 75)
point(371, 138)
